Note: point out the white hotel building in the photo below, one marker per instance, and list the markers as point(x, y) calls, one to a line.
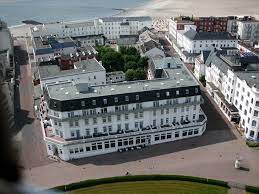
point(234, 86)
point(81, 120)
point(110, 27)
point(189, 43)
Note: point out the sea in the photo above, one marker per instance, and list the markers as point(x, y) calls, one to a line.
point(15, 11)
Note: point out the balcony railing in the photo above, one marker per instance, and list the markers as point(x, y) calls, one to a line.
point(133, 110)
point(128, 133)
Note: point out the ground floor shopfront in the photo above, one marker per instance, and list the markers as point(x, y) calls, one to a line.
point(122, 142)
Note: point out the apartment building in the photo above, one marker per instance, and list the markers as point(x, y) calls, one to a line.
point(80, 120)
point(232, 82)
point(110, 27)
point(48, 48)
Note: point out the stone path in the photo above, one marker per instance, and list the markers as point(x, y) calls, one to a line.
point(236, 188)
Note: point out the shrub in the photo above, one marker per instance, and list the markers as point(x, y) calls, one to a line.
point(252, 189)
point(252, 144)
point(94, 182)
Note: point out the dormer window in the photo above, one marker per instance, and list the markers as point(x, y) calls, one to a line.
point(126, 98)
point(137, 97)
point(116, 99)
point(104, 101)
point(94, 102)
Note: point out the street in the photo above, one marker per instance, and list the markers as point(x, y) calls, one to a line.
point(33, 152)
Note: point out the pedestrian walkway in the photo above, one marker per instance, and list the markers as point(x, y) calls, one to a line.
point(236, 188)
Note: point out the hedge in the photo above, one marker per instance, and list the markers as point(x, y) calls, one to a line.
point(252, 189)
point(252, 144)
point(130, 178)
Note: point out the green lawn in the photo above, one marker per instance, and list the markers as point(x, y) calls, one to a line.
point(153, 187)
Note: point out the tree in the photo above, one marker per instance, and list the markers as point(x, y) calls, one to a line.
point(113, 61)
point(130, 58)
point(123, 50)
point(139, 74)
point(143, 62)
point(130, 73)
point(130, 65)
point(132, 51)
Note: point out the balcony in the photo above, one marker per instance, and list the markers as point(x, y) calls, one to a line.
point(173, 105)
point(129, 133)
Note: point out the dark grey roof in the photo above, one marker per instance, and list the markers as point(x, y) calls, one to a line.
point(120, 19)
point(251, 78)
point(193, 35)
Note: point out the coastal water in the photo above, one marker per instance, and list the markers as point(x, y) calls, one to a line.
point(15, 11)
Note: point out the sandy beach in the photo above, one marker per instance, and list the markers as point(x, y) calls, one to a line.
point(170, 8)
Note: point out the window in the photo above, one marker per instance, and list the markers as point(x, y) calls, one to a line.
point(255, 113)
point(168, 136)
point(157, 137)
point(177, 92)
point(71, 151)
point(253, 123)
point(126, 126)
point(120, 142)
point(158, 95)
point(140, 114)
point(136, 124)
point(93, 102)
point(182, 109)
point(126, 98)
point(256, 103)
point(86, 121)
point(154, 122)
point(161, 121)
point(55, 123)
point(118, 117)
point(112, 144)
point(184, 133)
point(109, 118)
point(175, 110)
point(87, 148)
point(104, 101)
point(190, 132)
point(177, 134)
point(126, 116)
point(104, 129)
point(104, 120)
point(81, 149)
point(76, 150)
point(71, 123)
point(94, 120)
point(119, 127)
point(167, 93)
point(99, 146)
point(106, 144)
point(154, 113)
point(252, 133)
point(110, 128)
point(82, 103)
point(196, 131)
point(116, 99)
point(137, 97)
point(163, 136)
point(95, 130)
point(87, 132)
point(76, 123)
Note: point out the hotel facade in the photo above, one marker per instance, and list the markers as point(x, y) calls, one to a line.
point(81, 119)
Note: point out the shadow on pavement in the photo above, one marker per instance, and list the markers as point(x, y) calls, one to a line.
point(21, 119)
point(218, 131)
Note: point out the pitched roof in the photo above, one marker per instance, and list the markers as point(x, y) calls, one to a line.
point(193, 35)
